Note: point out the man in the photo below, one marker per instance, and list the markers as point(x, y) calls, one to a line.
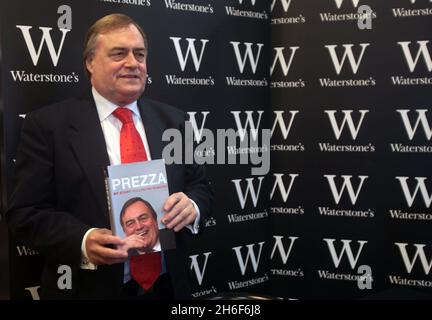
point(58, 205)
point(139, 222)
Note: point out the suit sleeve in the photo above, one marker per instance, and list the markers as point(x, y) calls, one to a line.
point(32, 214)
point(199, 189)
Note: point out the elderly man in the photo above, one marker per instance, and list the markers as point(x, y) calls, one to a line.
point(58, 205)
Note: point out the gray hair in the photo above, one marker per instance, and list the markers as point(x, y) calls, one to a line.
point(105, 24)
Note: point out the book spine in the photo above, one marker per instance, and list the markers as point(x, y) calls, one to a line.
point(109, 202)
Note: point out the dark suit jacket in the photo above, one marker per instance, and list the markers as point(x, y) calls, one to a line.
point(59, 192)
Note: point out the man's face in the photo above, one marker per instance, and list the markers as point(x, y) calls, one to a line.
point(118, 65)
point(138, 219)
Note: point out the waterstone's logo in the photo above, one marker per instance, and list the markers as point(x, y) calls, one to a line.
point(187, 6)
point(352, 253)
point(281, 18)
point(190, 54)
point(239, 10)
point(344, 55)
point(418, 198)
point(339, 121)
point(282, 61)
point(281, 128)
point(247, 55)
point(141, 3)
point(248, 255)
point(416, 9)
point(46, 45)
point(281, 190)
point(412, 121)
point(199, 265)
point(338, 191)
point(284, 247)
point(417, 260)
point(362, 16)
point(414, 52)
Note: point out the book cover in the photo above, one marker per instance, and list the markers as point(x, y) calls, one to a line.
point(136, 194)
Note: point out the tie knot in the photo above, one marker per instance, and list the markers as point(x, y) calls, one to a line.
point(123, 114)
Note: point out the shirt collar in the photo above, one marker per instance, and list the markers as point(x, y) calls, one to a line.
point(105, 107)
point(157, 246)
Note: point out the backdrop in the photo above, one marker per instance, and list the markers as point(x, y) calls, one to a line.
point(351, 89)
point(345, 88)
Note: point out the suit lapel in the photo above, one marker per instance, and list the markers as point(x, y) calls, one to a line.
point(88, 142)
point(153, 129)
point(155, 124)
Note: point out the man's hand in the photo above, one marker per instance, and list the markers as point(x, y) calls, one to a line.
point(98, 251)
point(179, 211)
point(135, 242)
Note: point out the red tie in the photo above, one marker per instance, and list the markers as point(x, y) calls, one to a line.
point(131, 145)
point(144, 268)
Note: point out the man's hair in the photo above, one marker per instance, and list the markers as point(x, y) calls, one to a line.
point(130, 202)
point(103, 25)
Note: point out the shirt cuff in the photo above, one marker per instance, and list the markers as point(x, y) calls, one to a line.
point(194, 228)
point(85, 262)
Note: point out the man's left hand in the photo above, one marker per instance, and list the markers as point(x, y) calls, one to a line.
point(179, 211)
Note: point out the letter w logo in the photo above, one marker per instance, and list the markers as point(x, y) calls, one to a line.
point(249, 189)
point(195, 266)
point(197, 131)
point(252, 1)
point(279, 56)
point(409, 197)
point(346, 250)
point(339, 63)
point(46, 38)
point(183, 58)
point(411, 130)
point(281, 186)
point(285, 4)
point(337, 195)
point(339, 3)
point(423, 51)
point(281, 248)
point(337, 129)
point(243, 263)
point(253, 60)
point(241, 129)
point(414, 1)
point(282, 125)
point(409, 263)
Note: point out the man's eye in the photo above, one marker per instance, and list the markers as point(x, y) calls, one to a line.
point(142, 218)
point(117, 55)
point(140, 56)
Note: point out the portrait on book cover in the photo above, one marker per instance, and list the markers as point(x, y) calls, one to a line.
point(137, 192)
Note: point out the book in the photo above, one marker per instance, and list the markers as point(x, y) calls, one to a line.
point(136, 194)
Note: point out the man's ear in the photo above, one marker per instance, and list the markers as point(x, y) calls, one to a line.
point(89, 65)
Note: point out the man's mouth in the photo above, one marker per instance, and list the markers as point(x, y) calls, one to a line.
point(129, 76)
point(143, 233)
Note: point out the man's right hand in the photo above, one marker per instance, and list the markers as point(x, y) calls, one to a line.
point(99, 253)
point(136, 242)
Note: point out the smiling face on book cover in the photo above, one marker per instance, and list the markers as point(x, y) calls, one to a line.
point(140, 219)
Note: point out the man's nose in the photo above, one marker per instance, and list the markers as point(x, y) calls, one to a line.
point(141, 224)
point(130, 60)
